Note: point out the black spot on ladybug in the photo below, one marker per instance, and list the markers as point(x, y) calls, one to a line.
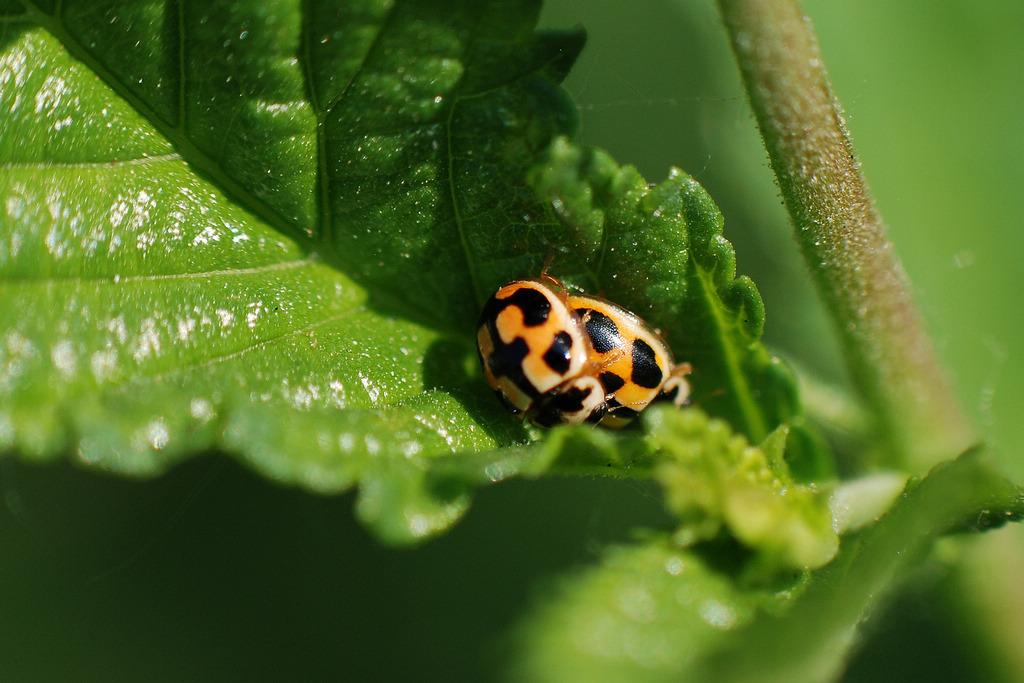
point(545, 417)
point(571, 401)
point(508, 358)
point(492, 308)
point(507, 361)
point(646, 372)
point(604, 335)
point(559, 354)
point(534, 305)
point(552, 410)
point(611, 382)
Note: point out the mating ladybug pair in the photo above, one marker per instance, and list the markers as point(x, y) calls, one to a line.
point(561, 357)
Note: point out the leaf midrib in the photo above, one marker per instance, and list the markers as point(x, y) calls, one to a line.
point(26, 282)
point(102, 165)
point(753, 419)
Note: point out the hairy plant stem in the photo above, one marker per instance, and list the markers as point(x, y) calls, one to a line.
point(841, 234)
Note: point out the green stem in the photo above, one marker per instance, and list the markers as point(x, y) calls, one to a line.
point(841, 234)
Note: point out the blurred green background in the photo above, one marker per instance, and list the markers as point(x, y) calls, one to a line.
point(211, 572)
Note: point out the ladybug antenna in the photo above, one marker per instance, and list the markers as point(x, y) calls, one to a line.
point(549, 279)
point(547, 264)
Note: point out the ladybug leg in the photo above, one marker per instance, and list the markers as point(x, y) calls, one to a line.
point(677, 387)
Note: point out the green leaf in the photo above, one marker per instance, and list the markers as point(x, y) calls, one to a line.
point(659, 251)
point(241, 226)
point(818, 634)
point(266, 228)
point(652, 612)
point(386, 135)
point(715, 484)
point(646, 613)
point(714, 479)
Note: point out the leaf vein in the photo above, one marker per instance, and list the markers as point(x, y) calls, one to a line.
point(45, 165)
point(119, 280)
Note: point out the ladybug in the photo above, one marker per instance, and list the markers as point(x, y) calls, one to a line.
point(566, 358)
point(633, 363)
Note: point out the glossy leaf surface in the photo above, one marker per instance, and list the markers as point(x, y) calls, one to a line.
point(265, 228)
point(217, 234)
